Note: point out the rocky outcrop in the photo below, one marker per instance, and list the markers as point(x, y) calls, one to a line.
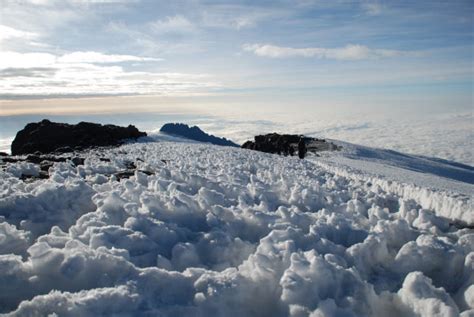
point(194, 133)
point(287, 144)
point(48, 137)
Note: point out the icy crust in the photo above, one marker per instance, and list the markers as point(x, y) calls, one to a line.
point(217, 231)
point(447, 204)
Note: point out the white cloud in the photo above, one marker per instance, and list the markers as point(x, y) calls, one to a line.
point(348, 52)
point(173, 24)
point(7, 33)
point(96, 57)
point(26, 60)
point(83, 73)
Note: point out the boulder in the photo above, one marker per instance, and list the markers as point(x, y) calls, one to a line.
point(274, 143)
point(48, 137)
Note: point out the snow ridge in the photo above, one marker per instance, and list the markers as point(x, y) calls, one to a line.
point(453, 206)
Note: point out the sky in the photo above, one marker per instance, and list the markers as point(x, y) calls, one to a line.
point(348, 63)
point(303, 49)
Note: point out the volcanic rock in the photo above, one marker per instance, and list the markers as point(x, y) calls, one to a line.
point(194, 133)
point(47, 136)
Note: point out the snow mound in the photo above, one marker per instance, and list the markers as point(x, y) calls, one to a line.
point(220, 231)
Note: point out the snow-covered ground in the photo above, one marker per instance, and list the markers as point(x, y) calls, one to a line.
point(218, 231)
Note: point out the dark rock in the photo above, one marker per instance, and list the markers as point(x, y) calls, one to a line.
point(45, 165)
point(124, 174)
point(104, 159)
point(194, 133)
point(33, 159)
point(146, 172)
point(248, 145)
point(302, 148)
point(8, 159)
point(286, 144)
point(130, 165)
point(47, 136)
point(78, 161)
point(32, 178)
point(43, 175)
point(64, 149)
point(3, 154)
point(53, 158)
point(273, 143)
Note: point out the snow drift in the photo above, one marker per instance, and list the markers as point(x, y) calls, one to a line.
point(220, 231)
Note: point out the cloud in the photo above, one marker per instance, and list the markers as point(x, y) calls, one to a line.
point(96, 57)
point(28, 60)
point(28, 72)
point(239, 16)
point(173, 24)
point(76, 2)
point(23, 75)
point(7, 33)
point(348, 52)
point(372, 8)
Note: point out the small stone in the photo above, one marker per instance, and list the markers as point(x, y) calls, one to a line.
point(77, 161)
point(33, 159)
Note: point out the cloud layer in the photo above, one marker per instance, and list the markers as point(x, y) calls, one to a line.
point(84, 73)
point(348, 52)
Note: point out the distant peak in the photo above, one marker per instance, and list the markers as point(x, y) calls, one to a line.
point(194, 133)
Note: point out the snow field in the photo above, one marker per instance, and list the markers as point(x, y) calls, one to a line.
point(218, 231)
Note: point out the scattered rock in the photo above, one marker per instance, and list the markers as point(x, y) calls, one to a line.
point(48, 137)
point(32, 178)
point(9, 159)
point(124, 174)
point(194, 133)
point(33, 159)
point(64, 149)
point(78, 161)
point(45, 165)
point(130, 165)
point(287, 144)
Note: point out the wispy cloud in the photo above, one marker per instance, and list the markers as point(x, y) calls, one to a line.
point(27, 60)
point(7, 33)
point(96, 57)
point(348, 52)
point(372, 8)
point(23, 75)
point(173, 24)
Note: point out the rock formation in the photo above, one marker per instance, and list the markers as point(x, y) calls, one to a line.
point(287, 144)
point(194, 133)
point(47, 136)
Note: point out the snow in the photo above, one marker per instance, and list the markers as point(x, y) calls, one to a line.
point(220, 231)
point(443, 186)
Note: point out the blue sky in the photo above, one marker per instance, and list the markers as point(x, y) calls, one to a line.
point(306, 53)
